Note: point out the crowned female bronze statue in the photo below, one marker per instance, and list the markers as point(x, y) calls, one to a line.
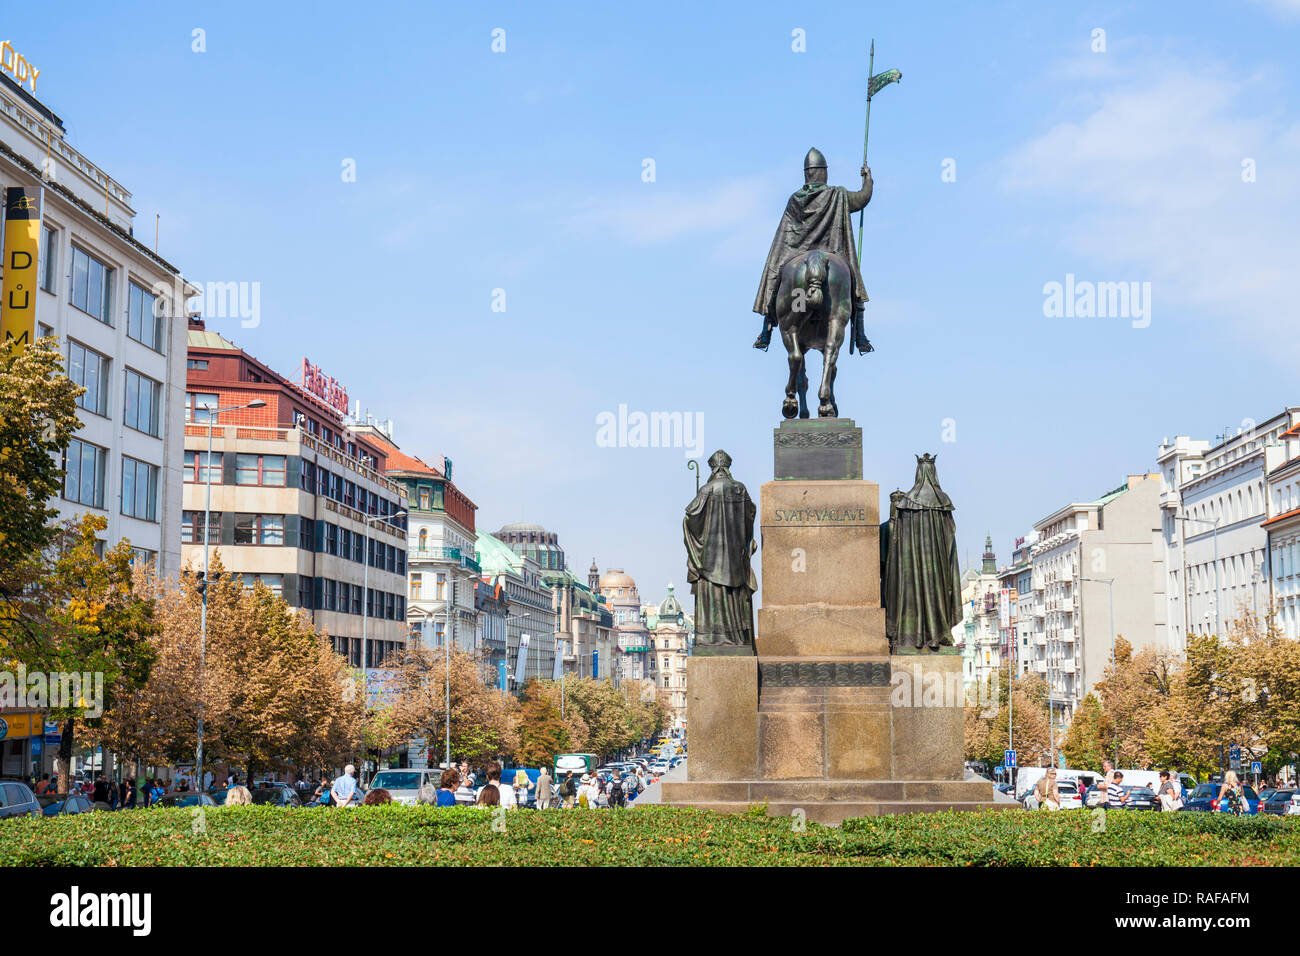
point(922, 586)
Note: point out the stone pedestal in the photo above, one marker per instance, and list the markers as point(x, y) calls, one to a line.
point(839, 726)
point(717, 690)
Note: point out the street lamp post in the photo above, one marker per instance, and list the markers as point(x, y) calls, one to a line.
point(212, 414)
point(1218, 623)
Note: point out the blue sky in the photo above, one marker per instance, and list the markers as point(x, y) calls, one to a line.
point(522, 171)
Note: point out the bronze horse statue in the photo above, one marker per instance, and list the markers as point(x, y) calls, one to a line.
point(814, 307)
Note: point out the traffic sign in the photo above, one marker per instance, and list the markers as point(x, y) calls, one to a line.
point(1256, 767)
point(1009, 758)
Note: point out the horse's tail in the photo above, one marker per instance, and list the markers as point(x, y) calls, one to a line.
point(815, 278)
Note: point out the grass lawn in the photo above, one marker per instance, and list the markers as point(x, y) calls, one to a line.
point(657, 836)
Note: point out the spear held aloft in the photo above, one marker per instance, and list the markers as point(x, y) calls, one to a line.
point(874, 85)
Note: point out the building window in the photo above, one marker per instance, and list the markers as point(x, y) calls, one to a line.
point(89, 369)
point(84, 464)
point(440, 587)
point(143, 398)
point(424, 499)
point(424, 539)
point(199, 406)
point(50, 265)
point(143, 556)
point(92, 286)
point(192, 527)
point(197, 365)
point(273, 581)
point(139, 489)
point(200, 469)
point(260, 470)
point(305, 587)
point(349, 494)
point(144, 318)
point(259, 529)
point(416, 583)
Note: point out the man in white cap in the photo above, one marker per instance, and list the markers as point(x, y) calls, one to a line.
point(344, 790)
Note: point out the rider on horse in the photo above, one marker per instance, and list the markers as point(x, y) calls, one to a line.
point(816, 217)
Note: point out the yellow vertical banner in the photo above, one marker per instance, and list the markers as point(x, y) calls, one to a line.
point(22, 243)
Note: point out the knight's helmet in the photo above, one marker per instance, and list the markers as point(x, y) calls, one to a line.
point(814, 160)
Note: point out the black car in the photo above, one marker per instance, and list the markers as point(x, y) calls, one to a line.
point(184, 798)
point(55, 805)
point(17, 800)
point(276, 797)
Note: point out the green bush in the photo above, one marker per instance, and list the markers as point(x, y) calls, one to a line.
point(654, 836)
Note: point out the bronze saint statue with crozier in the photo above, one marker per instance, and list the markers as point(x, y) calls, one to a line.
point(719, 533)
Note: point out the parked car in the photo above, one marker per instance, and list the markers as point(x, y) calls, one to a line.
point(404, 785)
point(1205, 799)
point(185, 798)
point(1280, 801)
point(55, 805)
point(17, 800)
point(276, 797)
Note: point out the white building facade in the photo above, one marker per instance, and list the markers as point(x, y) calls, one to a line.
point(1215, 502)
point(119, 339)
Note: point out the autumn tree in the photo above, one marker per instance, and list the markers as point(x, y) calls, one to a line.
point(484, 721)
point(986, 733)
point(543, 733)
point(273, 693)
point(38, 415)
point(1090, 738)
point(80, 615)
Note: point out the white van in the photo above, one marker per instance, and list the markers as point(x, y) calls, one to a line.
point(404, 785)
point(1027, 777)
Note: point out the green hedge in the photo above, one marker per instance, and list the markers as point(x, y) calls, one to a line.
point(425, 836)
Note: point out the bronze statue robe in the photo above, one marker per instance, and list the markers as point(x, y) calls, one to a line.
point(922, 590)
point(719, 534)
point(816, 217)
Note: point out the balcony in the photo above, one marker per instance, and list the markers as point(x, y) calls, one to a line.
point(1066, 667)
point(1040, 667)
point(1040, 640)
point(1067, 605)
point(450, 555)
point(1066, 635)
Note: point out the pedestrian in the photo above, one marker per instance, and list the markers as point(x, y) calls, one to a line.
point(343, 793)
point(505, 792)
point(377, 798)
point(466, 777)
point(1232, 798)
point(128, 803)
point(43, 787)
point(543, 789)
point(1169, 795)
point(321, 795)
point(1116, 795)
point(489, 796)
point(238, 796)
point(568, 791)
point(447, 784)
point(522, 786)
point(1047, 792)
point(616, 795)
point(587, 792)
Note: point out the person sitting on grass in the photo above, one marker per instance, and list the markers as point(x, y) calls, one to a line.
point(377, 798)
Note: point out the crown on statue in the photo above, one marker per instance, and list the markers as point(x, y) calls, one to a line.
point(926, 459)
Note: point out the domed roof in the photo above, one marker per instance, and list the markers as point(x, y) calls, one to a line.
point(670, 606)
point(615, 578)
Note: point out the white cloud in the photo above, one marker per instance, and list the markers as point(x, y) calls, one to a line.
point(1151, 183)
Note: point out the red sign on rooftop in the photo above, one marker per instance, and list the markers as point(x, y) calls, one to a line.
point(323, 386)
